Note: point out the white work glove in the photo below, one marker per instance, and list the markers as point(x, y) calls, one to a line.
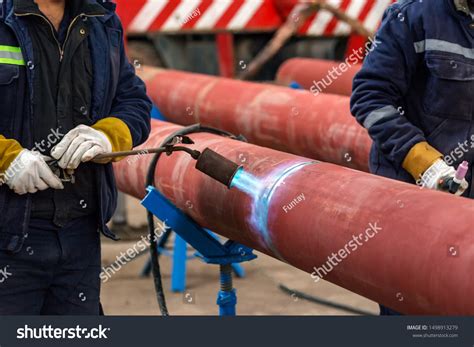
point(81, 144)
point(438, 172)
point(29, 173)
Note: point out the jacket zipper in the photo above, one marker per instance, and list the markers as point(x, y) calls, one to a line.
point(60, 48)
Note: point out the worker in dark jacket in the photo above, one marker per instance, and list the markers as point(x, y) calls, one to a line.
point(414, 94)
point(68, 93)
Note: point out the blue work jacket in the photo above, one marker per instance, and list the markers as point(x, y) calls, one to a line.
point(117, 92)
point(417, 84)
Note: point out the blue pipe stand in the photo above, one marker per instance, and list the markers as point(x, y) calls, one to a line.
point(180, 258)
point(208, 248)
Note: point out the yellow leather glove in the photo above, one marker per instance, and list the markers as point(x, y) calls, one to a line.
point(117, 132)
point(9, 150)
point(420, 158)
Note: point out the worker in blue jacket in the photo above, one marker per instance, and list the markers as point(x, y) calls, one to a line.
point(414, 94)
point(67, 93)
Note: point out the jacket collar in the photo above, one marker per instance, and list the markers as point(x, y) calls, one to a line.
point(76, 7)
point(91, 7)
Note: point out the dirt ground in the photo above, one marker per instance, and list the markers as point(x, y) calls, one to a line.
point(126, 293)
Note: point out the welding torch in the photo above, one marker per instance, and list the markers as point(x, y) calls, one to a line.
point(208, 161)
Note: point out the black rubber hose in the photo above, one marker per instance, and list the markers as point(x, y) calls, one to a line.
point(150, 181)
point(161, 245)
point(160, 295)
point(323, 302)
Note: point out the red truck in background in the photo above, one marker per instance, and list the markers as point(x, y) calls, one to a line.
point(221, 37)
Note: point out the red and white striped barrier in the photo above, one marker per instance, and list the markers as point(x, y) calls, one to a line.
point(201, 15)
point(368, 12)
point(141, 16)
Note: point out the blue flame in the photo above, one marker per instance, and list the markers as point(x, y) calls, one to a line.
point(261, 190)
point(247, 183)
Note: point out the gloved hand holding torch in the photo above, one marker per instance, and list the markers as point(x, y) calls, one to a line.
point(430, 171)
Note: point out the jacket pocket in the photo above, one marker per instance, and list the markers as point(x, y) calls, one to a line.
point(450, 87)
point(9, 75)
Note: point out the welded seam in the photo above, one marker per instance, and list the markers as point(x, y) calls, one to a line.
point(262, 207)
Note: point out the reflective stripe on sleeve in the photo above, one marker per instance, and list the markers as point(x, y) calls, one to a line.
point(11, 55)
point(378, 115)
point(443, 46)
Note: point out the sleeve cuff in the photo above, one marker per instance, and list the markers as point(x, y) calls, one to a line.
point(117, 132)
point(420, 158)
point(9, 150)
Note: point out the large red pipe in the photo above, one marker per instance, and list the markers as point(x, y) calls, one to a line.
point(319, 127)
point(420, 260)
point(319, 76)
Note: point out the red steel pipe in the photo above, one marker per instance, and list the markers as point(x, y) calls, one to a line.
point(319, 76)
point(319, 127)
point(417, 259)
